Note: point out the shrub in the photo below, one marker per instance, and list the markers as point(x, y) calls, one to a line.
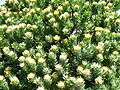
point(59, 45)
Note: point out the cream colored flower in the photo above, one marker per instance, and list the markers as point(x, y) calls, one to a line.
point(56, 37)
point(103, 2)
point(26, 53)
point(12, 1)
point(34, 26)
point(86, 72)
point(56, 12)
point(98, 33)
point(66, 15)
point(1, 77)
point(76, 6)
point(75, 14)
point(28, 34)
point(63, 56)
point(76, 48)
point(41, 60)
point(115, 53)
point(22, 64)
point(21, 59)
point(99, 80)
point(65, 31)
point(95, 65)
point(88, 36)
point(100, 46)
point(61, 84)
point(117, 20)
point(7, 71)
point(47, 78)
point(99, 29)
point(79, 81)
point(52, 20)
point(55, 25)
point(40, 88)
point(12, 54)
point(54, 48)
point(100, 56)
point(79, 69)
point(30, 60)
point(31, 76)
point(6, 50)
point(60, 8)
point(58, 67)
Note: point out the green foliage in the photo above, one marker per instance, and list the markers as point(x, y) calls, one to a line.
point(60, 45)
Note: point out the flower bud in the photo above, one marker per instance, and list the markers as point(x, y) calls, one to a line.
point(105, 70)
point(60, 84)
point(73, 37)
point(58, 67)
point(103, 3)
point(55, 25)
point(51, 55)
point(76, 48)
point(48, 38)
point(31, 76)
point(99, 80)
point(56, 12)
point(100, 57)
point(22, 45)
point(47, 78)
point(117, 20)
point(88, 36)
point(66, 15)
point(7, 71)
point(100, 46)
point(50, 15)
point(79, 81)
point(60, 8)
point(6, 50)
point(98, 33)
point(76, 6)
point(41, 60)
point(26, 53)
point(75, 14)
point(65, 31)
point(22, 64)
point(87, 3)
point(79, 69)
point(54, 48)
point(115, 53)
point(56, 37)
point(12, 54)
point(34, 26)
point(40, 88)
point(52, 20)
point(55, 75)
point(21, 59)
point(28, 34)
point(30, 60)
point(95, 65)
point(110, 5)
point(66, 3)
point(95, 3)
point(1, 77)
point(100, 29)
point(86, 72)
point(14, 80)
point(63, 56)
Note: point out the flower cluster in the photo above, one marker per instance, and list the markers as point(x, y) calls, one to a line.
point(59, 45)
